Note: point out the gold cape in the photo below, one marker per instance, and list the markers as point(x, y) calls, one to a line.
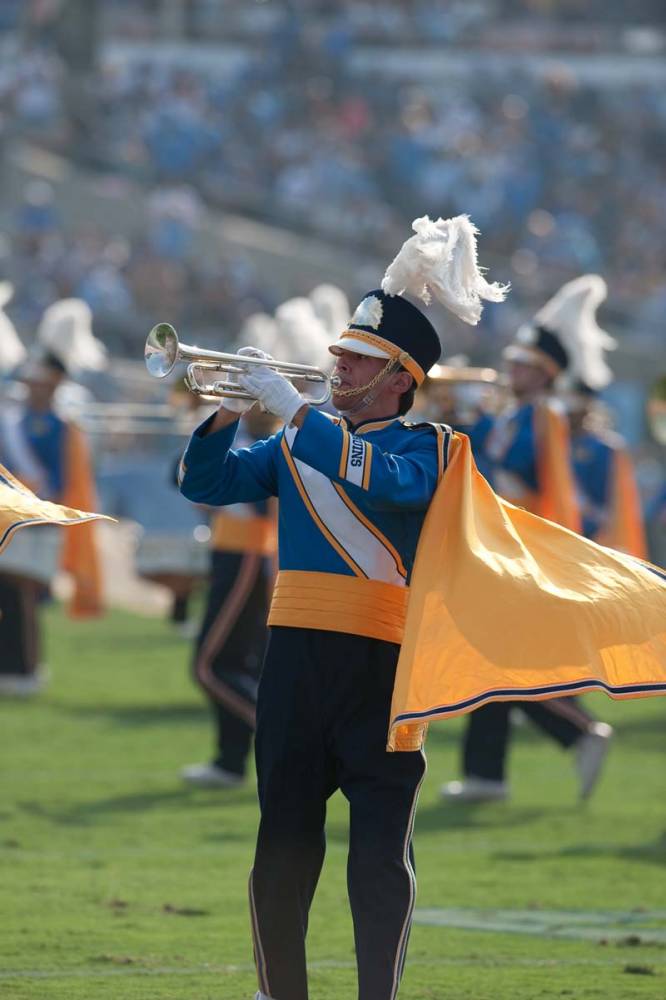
point(19, 508)
point(505, 605)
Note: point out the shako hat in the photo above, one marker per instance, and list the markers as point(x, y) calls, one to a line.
point(440, 260)
point(390, 326)
point(538, 346)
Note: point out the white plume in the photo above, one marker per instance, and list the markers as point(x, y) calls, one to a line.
point(12, 351)
point(331, 307)
point(301, 337)
point(259, 330)
point(65, 330)
point(571, 314)
point(441, 260)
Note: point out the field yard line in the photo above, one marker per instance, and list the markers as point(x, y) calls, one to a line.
point(327, 963)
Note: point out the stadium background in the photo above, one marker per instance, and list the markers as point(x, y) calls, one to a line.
point(198, 160)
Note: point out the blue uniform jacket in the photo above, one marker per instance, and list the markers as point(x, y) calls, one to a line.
point(593, 467)
point(351, 507)
point(507, 444)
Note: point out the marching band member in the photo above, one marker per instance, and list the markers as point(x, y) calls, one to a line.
point(232, 639)
point(607, 492)
point(50, 456)
point(12, 351)
point(526, 455)
point(374, 511)
point(354, 491)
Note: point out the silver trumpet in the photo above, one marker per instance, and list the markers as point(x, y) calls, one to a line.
point(164, 351)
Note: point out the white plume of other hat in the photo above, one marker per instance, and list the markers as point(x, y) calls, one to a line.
point(65, 331)
point(331, 307)
point(12, 351)
point(259, 330)
point(300, 335)
point(440, 260)
point(572, 315)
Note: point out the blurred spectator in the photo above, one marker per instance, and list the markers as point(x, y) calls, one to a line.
point(546, 160)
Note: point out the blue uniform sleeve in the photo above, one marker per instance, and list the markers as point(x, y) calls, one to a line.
point(384, 479)
point(212, 473)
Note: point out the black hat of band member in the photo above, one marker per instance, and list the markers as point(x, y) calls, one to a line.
point(539, 346)
point(440, 260)
point(390, 326)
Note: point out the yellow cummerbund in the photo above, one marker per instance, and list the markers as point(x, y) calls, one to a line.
point(244, 534)
point(336, 603)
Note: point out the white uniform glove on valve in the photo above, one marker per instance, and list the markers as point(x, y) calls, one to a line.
point(275, 393)
point(242, 405)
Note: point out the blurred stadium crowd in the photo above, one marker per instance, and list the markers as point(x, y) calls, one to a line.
point(342, 133)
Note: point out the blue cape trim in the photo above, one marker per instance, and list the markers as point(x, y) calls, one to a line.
point(530, 694)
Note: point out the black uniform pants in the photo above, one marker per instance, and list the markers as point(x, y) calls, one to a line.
point(19, 626)
point(229, 651)
point(486, 741)
point(322, 723)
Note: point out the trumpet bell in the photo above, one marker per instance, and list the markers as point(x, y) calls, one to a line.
point(161, 350)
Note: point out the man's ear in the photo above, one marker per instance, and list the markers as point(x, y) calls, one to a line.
point(402, 382)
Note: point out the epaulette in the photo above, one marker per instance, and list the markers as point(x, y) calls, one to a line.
point(437, 427)
point(444, 435)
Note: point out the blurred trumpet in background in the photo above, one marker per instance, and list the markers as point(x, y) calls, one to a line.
point(458, 393)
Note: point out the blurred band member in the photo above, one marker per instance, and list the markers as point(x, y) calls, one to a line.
point(50, 456)
point(525, 454)
point(607, 491)
point(230, 646)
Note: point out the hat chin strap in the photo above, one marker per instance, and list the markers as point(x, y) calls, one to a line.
point(370, 391)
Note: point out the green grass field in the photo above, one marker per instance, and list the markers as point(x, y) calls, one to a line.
point(119, 882)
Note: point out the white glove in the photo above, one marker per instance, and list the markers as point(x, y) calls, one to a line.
point(275, 393)
point(242, 405)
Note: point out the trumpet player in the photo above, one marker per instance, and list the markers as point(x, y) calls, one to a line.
point(232, 638)
point(353, 493)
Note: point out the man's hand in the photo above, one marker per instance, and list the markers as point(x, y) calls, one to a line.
point(275, 393)
point(232, 404)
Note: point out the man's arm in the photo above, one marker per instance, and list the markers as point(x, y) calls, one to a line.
point(386, 479)
point(223, 418)
point(212, 473)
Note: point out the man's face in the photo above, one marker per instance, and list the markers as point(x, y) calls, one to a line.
point(578, 407)
point(526, 378)
point(41, 391)
point(354, 370)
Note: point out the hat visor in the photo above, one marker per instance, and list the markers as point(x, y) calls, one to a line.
point(37, 374)
point(357, 346)
point(524, 355)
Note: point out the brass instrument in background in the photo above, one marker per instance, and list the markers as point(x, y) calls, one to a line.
point(131, 419)
point(467, 374)
point(459, 394)
point(163, 352)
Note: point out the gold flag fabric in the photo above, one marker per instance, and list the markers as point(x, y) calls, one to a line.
point(19, 508)
point(624, 529)
point(505, 605)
